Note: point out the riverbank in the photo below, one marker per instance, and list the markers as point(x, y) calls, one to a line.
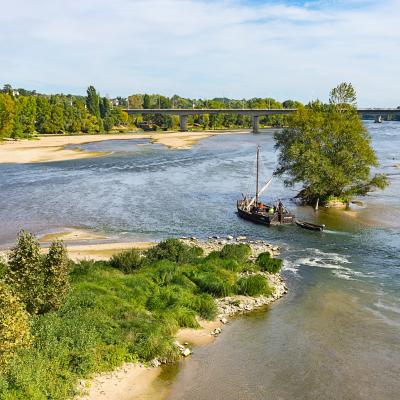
point(53, 148)
point(138, 381)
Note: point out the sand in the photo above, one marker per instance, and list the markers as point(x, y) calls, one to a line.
point(131, 381)
point(52, 148)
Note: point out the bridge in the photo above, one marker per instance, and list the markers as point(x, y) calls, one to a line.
point(254, 113)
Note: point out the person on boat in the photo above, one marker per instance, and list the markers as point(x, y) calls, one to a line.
point(271, 210)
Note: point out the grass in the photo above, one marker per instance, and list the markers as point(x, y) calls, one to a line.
point(128, 309)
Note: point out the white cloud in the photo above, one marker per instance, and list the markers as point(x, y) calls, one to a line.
point(203, 48)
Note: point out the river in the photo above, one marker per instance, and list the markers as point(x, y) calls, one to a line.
point(336, 335)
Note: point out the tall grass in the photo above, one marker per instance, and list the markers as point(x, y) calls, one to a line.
point(124, 310)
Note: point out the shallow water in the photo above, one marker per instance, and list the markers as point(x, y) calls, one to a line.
point(335, 335)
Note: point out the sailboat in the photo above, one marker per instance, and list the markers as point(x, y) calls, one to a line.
point(253, 210)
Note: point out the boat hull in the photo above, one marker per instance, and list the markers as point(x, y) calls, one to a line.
point(309, 226)
point(265, 218)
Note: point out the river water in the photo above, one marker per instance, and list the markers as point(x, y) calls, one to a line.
point(336, 335)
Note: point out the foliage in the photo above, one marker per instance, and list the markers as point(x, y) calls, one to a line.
point(327, 149)
point(253, 285)
point(239, 252)
point(174, 250)
point(127, 261)
point(343, 94)
point(269, 264)
point(41, 282)
point(56, 268)
point(14, 325)
point(24, 272)
point(110, 317)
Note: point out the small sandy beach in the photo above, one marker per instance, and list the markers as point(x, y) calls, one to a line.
point(53, 148)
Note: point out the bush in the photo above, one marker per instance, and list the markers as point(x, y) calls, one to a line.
point(253, 285)
point(212, 283)
point(239, 252)
point(127, 261)
point(269, 264)
point(24, 272)
point(14, 325)
point(56, 273)
point(174, 250)
point(206, 307)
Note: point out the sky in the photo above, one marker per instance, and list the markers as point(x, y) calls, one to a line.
point(204, 48)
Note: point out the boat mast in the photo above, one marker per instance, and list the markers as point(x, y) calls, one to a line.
point(258, 161)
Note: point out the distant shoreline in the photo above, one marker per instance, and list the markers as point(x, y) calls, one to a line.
point(53, 148)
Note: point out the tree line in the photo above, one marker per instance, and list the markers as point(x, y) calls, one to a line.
point(24, 113)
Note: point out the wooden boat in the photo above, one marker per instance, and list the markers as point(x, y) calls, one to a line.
point(251, 209)
point(310, 226)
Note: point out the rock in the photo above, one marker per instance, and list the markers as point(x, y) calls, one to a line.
point(229, 237)
point(193, 238)
point(186, 352)
point(186, 343)
point(224, 320)
point(82, 383)
point(215, 237)
point(241, 238)
point(155, 363)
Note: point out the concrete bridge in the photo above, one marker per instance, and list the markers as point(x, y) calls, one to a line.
point(254, 113)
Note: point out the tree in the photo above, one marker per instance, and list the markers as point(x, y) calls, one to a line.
point(56, 268)
point(105, 107)
point(25, 115)
point(93, 102)
point(24, 272)
point(146, 101)
point(328, 151)
point(343, 94)
point(43, 115)
point(7, 114)
point(14, 325)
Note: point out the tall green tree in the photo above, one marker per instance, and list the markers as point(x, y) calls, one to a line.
point(93, 102)
point(56, 268)
point(105, 107)
point(25, 116)
point(328, 151)
point(146, 101)
point(24, 272)
point(43, 115)
point(7, 114)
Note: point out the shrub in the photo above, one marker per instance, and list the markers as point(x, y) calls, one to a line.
point(24, 273)
point(206, 307)
point(253, 285)
point(212, 283)
point(127, 261)
point(174, 250)
point(56, 268)
point(269, 264)
point(239, 252)
point(14, 325)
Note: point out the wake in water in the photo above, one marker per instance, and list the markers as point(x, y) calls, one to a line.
point(337, 263)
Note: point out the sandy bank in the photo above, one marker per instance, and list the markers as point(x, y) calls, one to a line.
point(52, 148)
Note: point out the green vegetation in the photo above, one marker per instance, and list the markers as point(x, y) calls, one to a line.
point(14, 325)
point(24, 113)
point(127, 309)
point(268, 264)
point(326, 148)
point(127, 261)
point(253, 285)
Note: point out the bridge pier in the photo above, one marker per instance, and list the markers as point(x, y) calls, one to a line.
point(183, 122)
point(256, 124)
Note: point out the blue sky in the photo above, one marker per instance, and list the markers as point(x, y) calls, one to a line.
point(203, 48)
